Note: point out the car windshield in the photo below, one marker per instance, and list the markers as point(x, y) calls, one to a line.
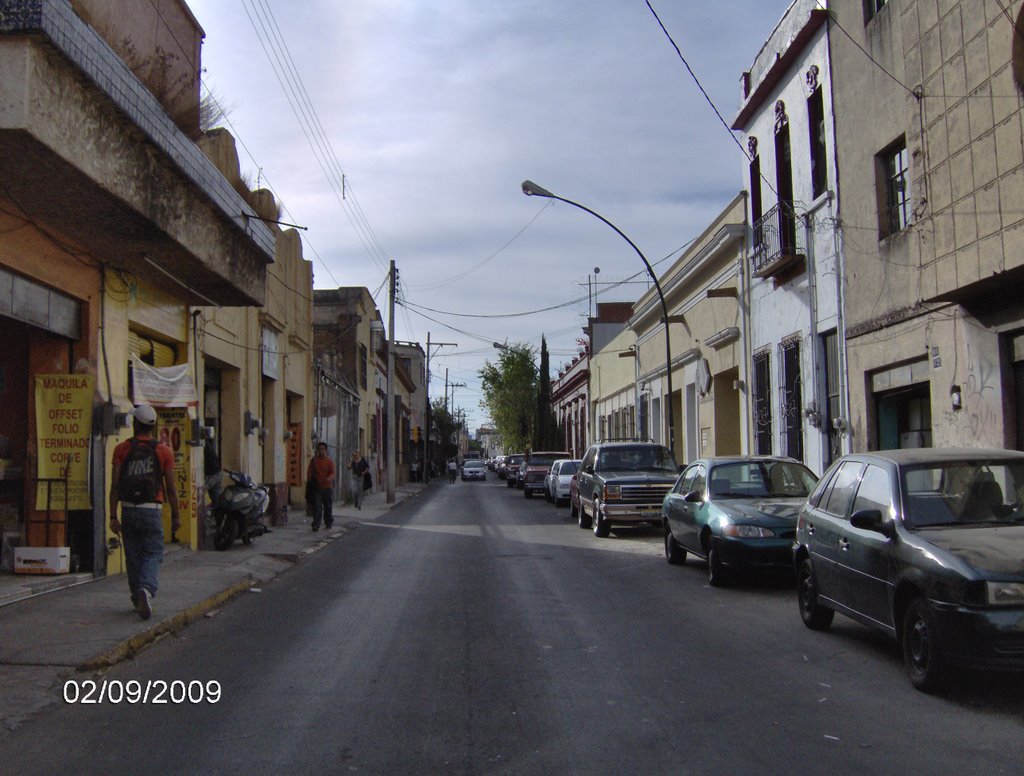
point(514, 460)
point(639, 458)
point(568, 467)
point(963, 493)
point(761, 479)
point(473, 465)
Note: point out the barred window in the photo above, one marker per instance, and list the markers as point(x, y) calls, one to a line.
point(762, 404)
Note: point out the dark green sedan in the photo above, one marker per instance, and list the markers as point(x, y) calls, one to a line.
point(735, 512)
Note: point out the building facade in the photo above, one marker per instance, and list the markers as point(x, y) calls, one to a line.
point(114, 229)
point(932, 220)
point(795, 266)
point(705, 293)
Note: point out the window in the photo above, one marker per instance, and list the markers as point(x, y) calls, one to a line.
point(792, 405)
point(762, 404)
point(833, 409)
point(362, 366)
point(756, 207)
point(871, 8)
point(837, 501)
point(875, 492)
point(894, 186)
point(816, 127)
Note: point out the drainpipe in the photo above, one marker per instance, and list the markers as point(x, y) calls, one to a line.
point(812, 292)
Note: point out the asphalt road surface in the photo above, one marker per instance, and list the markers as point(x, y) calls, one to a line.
point(472, 631)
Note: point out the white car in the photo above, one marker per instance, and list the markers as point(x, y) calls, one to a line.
point(558, 479)
point(473, 469)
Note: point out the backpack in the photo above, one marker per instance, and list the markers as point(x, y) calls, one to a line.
point(141, 477)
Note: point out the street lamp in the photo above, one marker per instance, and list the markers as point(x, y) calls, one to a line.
point(531, 189)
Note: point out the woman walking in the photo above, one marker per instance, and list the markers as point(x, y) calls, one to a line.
point(361, 481)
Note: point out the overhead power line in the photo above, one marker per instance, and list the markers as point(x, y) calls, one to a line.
point(274, 45)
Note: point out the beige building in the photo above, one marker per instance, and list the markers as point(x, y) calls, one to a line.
point(705, 294)
point(114, 229)
point(257, 362)
point(928, 103)
point(613, 382)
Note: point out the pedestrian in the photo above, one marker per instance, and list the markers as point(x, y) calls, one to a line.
point(321, 474)
point(415, 468)
point(361, 480)
point(141, 478)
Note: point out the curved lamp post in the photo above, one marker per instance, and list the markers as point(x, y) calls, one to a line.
point(531, 189)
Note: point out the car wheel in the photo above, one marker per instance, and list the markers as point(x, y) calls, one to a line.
point(601, 529)
point(582, 518)
point(922, 653)
point(674, 554)
point(814, 615)
point(717, 575)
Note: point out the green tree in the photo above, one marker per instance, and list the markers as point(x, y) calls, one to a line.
point(510, 388)
point(545, 427)
point(447, 427)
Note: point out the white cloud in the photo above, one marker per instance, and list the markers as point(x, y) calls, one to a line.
point(437, 111)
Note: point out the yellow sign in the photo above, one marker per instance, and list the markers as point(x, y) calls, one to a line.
point(174, 429)
point(63, 430)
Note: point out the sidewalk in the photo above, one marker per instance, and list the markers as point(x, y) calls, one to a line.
point(90, 624)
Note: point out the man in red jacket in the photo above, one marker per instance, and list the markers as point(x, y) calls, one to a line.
point(141, 477)
point(321, 473)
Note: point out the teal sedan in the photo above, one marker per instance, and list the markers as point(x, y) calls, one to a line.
point(735, 512)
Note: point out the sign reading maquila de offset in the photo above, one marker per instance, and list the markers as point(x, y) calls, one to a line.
point(63, 427)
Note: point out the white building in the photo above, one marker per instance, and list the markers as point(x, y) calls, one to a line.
point(796, 347)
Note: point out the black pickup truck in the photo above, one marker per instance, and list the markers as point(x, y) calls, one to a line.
point(623, 483)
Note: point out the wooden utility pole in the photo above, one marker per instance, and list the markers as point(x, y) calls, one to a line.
point(391, 441)
point(426, 413)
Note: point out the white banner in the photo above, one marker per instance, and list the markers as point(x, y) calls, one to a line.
point(169, 386)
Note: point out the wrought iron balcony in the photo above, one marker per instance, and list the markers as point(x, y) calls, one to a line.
point(778, 243)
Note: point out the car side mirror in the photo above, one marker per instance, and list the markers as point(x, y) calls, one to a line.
point(588, 469)
point(693, 497)
point(872, 520)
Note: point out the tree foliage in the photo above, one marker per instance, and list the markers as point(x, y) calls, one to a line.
point(510, 388)
point(447, 427)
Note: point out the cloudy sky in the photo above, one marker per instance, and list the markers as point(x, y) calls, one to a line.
point(402, 129)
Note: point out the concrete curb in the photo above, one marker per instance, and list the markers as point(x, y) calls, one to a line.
point(133, 645)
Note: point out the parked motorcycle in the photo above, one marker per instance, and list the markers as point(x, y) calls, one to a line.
point(239, 510)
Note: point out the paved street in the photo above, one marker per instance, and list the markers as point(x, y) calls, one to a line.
point(470, 630)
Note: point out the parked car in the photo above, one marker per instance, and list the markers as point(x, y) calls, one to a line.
point(623, 483)
point(535, 469)
point(512, 463)
point(925, 545)
point(499, 466)
point(474, 470)
point(574, 496)
point(558, 480)
point(736, 512)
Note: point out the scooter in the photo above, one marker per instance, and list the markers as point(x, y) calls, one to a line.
point(239, 510)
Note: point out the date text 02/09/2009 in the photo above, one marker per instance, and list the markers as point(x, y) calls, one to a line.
point(152, 691)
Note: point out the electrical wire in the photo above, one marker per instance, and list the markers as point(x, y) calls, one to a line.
point(298, 100)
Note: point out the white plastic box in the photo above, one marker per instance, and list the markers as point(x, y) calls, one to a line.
point(42, 560)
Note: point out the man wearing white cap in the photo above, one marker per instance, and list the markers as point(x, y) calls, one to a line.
point(142, 475)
